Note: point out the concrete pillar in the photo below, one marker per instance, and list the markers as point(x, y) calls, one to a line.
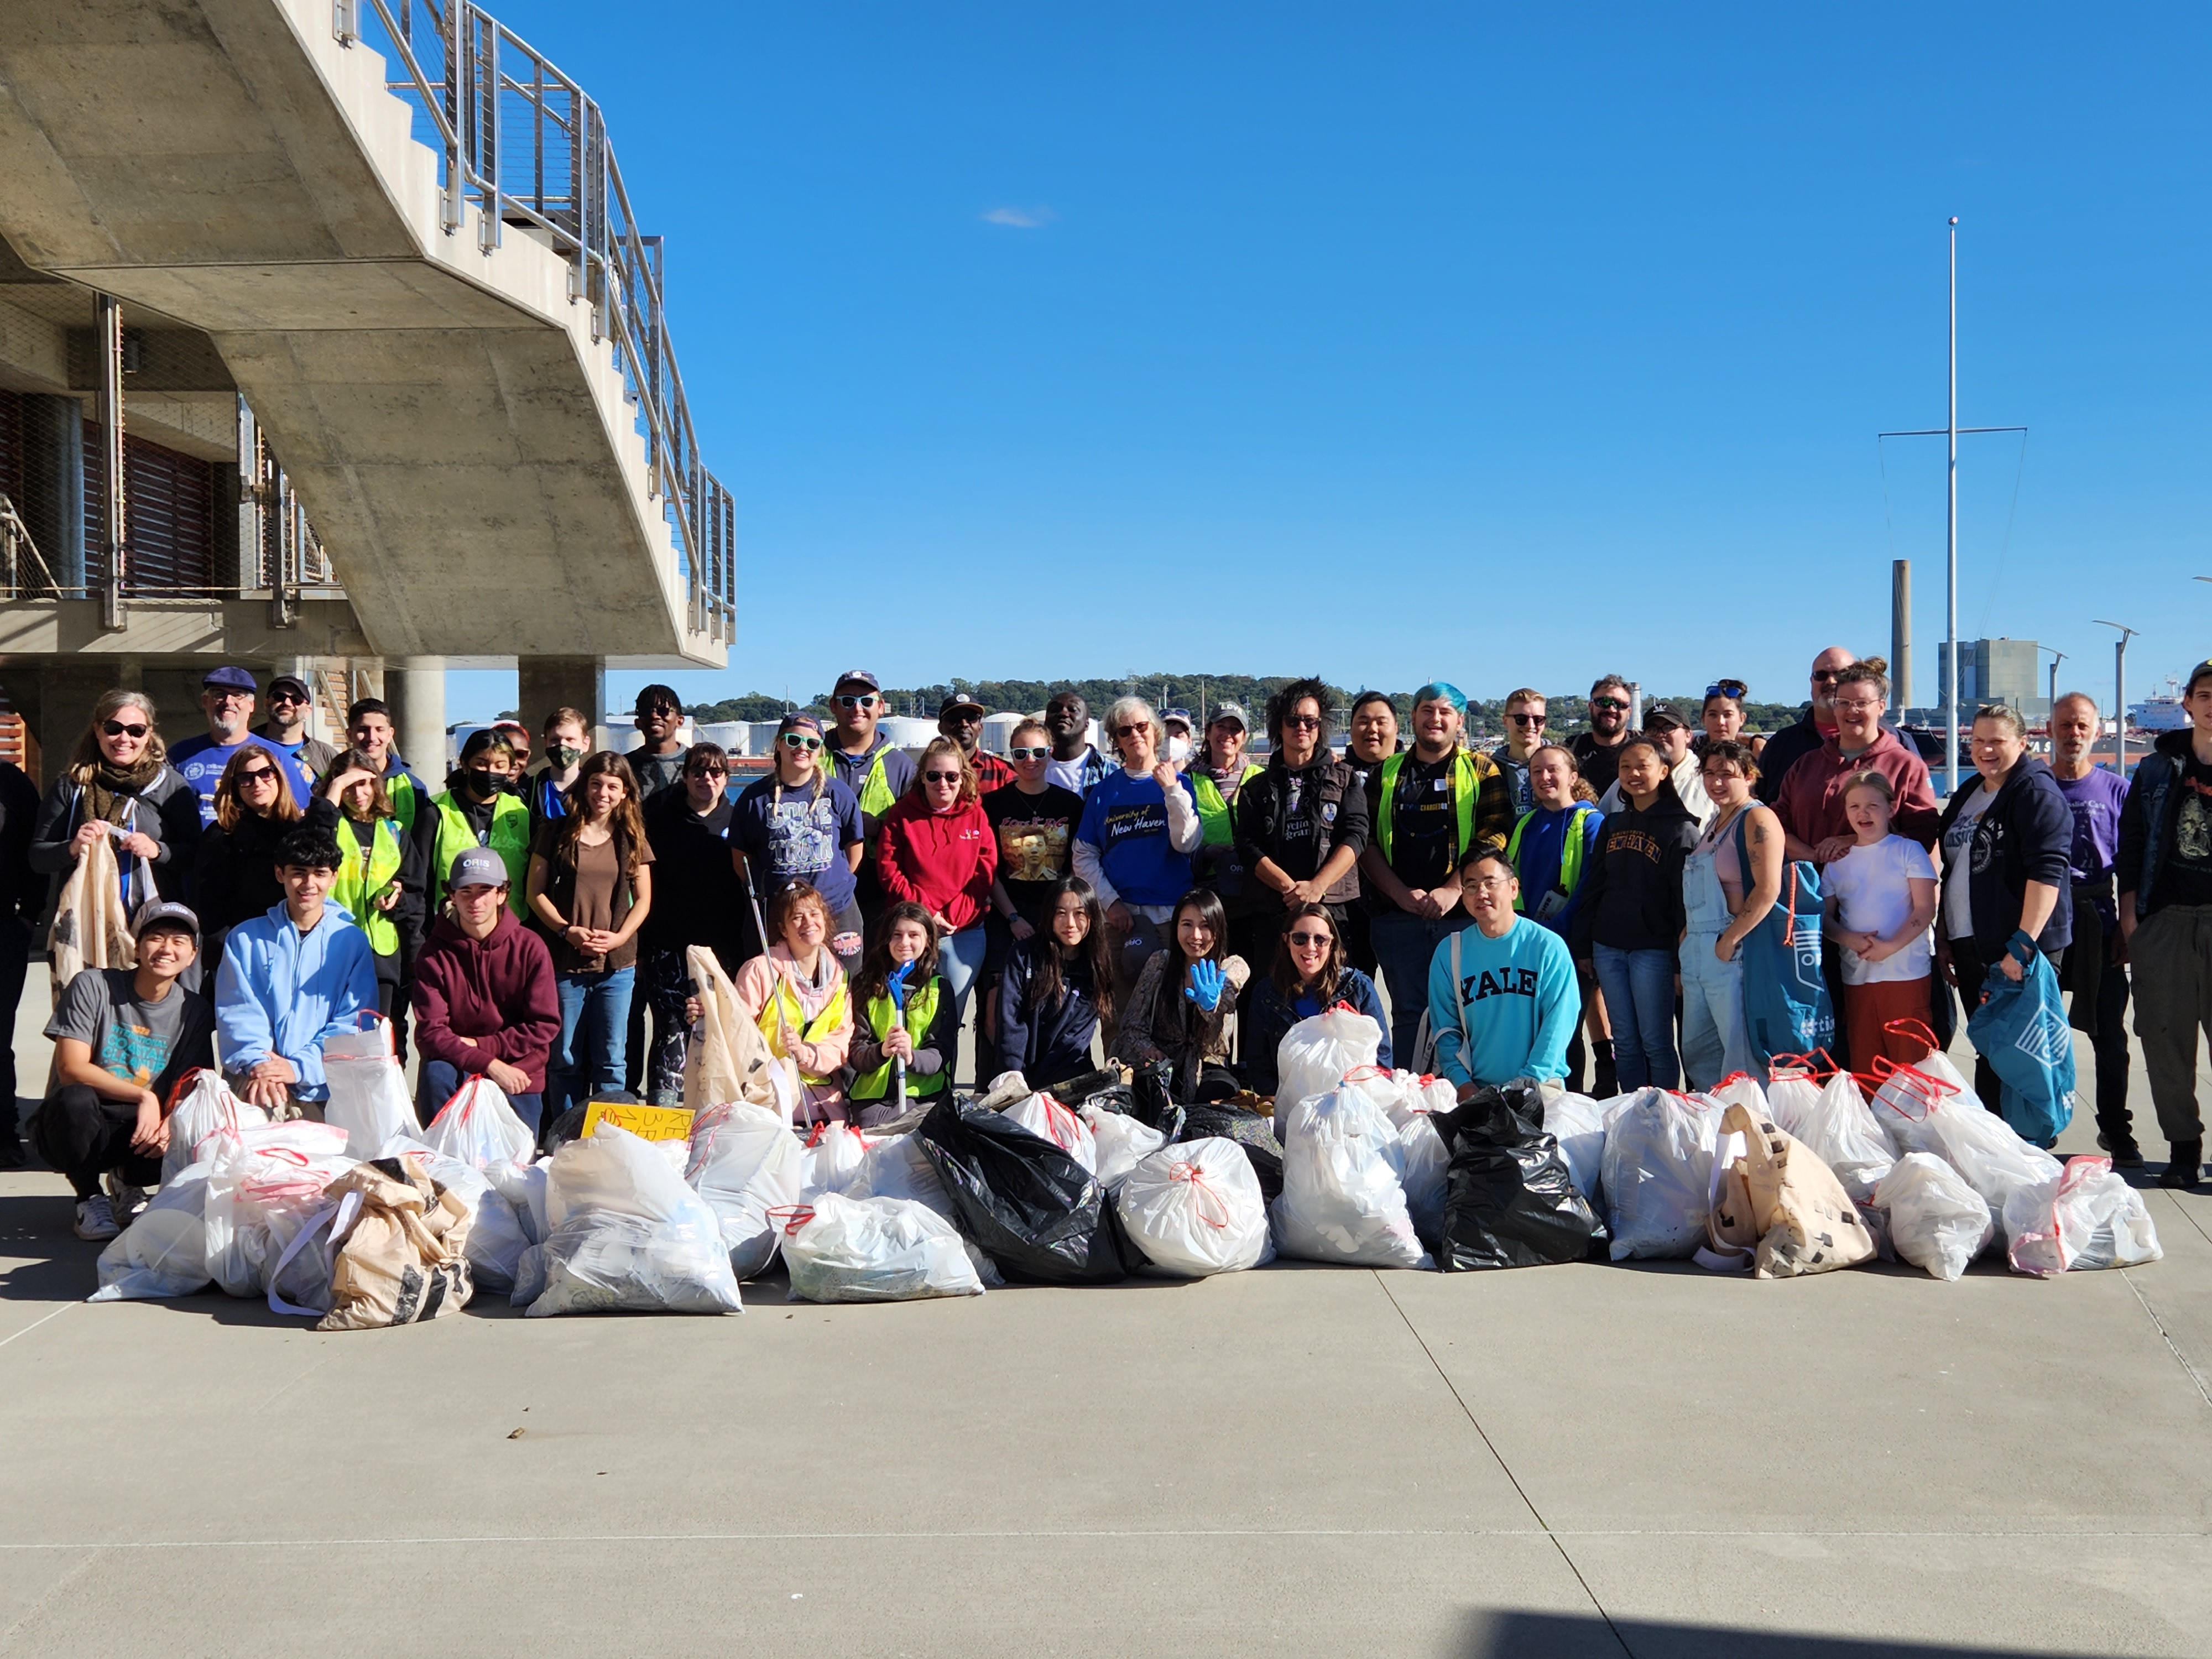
point(543, 685)
point(415, 688)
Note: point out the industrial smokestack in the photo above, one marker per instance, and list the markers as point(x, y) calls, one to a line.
point(1901, 633)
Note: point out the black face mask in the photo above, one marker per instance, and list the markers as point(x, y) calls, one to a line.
point(482, 785)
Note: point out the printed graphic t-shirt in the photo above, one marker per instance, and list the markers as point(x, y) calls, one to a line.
point(151, 1044)
point(1035, 833)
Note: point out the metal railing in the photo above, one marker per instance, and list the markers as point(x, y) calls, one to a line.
point(22, 566)
point(521, 142)
point(278, 552)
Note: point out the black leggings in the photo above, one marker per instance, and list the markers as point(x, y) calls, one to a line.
point(84, 1134)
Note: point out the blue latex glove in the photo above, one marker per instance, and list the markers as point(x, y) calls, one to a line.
point(1207, 981)
point(896, 985)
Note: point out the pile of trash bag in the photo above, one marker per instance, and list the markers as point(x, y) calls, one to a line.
point(1029, 1205)
point(626, 1235)
point(1509, 1201)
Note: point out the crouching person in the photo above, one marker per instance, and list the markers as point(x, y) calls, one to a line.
point(485, 1000)
point(1502, 999)
point(122, 1038)
point(290, 979)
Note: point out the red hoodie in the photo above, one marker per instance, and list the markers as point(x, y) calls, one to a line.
point(498, 990)
point(943, 861)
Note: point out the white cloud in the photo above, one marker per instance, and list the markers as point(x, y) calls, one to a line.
point(1020, 218)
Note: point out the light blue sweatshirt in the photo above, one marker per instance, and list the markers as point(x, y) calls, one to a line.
point(281, 990)
point(1518, 998)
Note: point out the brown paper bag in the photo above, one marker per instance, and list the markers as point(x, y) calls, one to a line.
point(1783, 1205)
point(730, 1061)
point(91, 927)
point(397, 1249)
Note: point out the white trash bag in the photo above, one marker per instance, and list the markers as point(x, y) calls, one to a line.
point(163, 1253)
point(830, 1158)
point(897, 1167)
point(368, 1088)
point(1924, 1111)
point(1047, 1118)
point(1122, 1142)
point(525, 1191)
point(1194, 1209)
point(1402, 1095)
point(1742, 1088)
point(1317, 1054)
point(2088, 1218)
point(477, 1128)
point(205, 1106)
point(261, 1170)
point(497, 1234)
point(1657, 1172)
point(874, 1250)
point(627, 1234)
point(1422, 1160)
point(1936, 1221)
point(1341, 1200)
point(1844, 1134)
point(745, 1162)
point(1577, 1124)
point(1793, 1092)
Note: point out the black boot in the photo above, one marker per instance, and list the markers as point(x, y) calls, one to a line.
point(1608, 1075)
point(2121, 1144)
point(2183, 1159)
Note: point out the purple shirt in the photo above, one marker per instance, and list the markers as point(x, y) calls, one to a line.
point(2096, 800)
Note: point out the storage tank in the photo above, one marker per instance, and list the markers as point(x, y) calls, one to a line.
point(997, 732)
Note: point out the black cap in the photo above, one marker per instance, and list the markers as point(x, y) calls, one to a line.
point(1663, 717)
point(956, 701)
point(856, 676)
point(291, 683)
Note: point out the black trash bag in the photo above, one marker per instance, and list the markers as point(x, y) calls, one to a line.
point(1023, 1201)
point(1508, 1203)
point(1254, 1134)
point(1089, 1086)
point(1113, 1097)
point(1153, 1092)
point(568, 1126)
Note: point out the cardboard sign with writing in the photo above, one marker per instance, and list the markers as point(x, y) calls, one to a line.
point(648, 1122)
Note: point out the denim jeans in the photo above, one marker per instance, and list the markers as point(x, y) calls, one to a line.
point(440, 1079)
point(1715, 1040)
point(1405, 945)
point(1639, 997)
point(960, 959)
point(594, 1031)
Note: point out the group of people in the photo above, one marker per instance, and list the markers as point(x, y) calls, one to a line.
point(1574, 913)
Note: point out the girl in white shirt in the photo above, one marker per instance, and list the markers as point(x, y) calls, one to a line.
point(1879, 899)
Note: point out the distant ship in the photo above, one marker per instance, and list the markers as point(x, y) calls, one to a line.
point(2166, 714)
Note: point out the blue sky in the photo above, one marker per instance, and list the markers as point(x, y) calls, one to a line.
point(1396, 341)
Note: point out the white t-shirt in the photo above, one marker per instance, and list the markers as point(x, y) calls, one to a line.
point(1872, 897)
point(1958, 902)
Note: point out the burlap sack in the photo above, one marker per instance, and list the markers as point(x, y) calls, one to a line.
point(1779, 1204)
point(398, 1256)
point(730, 1061)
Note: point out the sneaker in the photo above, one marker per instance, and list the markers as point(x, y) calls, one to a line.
point(95, 1218)
point(2126, 1155)
point(2182, 1160)
point(124, 1199)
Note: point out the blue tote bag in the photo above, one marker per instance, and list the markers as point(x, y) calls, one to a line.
point(1786, 1008)
point(2021, 1031)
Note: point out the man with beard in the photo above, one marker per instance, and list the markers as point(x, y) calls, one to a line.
point(1598, 751)
point(1809, 730)
point(226, 698)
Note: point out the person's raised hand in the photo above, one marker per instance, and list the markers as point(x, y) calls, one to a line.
point(1167, 777)
point(1204, 985)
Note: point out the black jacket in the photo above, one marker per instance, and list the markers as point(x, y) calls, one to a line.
point(22, 890)
point(1331, 812)
point(2026, 835)
point(235, 871)
point(1045, 1045)
point(2146, 820)
point(1800, 737)
point(169, 810)
point(698, 900)
point(1631, 890)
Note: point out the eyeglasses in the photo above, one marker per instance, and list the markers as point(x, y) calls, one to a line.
point(228, 693)
point(865, 700)
point(1489, 882)
point(1302, 722)
point(1614, 703)
point(118, 729)
point(795, 740)
point(1726, 688)
point(1526, 720)
point(1827, 676)
point(706, 769)
point(1310, 941)
point(1018, 752)
point(258, 775)
point(942, 777)
point(1858, 705)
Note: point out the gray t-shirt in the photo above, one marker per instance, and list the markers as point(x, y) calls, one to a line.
point(151, 1044)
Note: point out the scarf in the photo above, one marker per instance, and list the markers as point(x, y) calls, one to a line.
point(111, 792)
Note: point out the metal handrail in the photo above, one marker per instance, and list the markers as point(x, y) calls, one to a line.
point(16, 540)
point(522, 142)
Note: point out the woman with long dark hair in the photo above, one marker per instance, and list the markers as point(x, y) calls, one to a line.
point(923, 1033)
point(591, 888)
point(1183, 1008)
point(1058, 985)
point(1311, 974)
point(235, 872)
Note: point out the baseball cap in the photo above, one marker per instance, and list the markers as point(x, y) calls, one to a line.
point(1229, 711)
point(796, 722)
point(229, 678)
point(856, 676)
point(1175, 716)
point(153, 911)
point(477, 866)
point(291, 683)
point(953, 701)
point(1663, 717)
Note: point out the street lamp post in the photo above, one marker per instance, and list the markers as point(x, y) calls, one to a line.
point(2057, 657)
point(2119, 694)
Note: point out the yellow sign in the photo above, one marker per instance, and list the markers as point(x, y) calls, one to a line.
point(649, 1122)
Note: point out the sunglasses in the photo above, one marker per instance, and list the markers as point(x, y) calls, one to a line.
point(1131, 730)
point(1021, 754)
point(1526, 720)
point(1614, 703)
point(1302, 722)
point(942, 777)
point(1310, 940)
point(118, 729)
point(258, 775)
point(1827, 676)
point(796, 740)
point(276, 697)
point(706, 771)
point(660, 709)
point(865, 700)
point(1726, 688)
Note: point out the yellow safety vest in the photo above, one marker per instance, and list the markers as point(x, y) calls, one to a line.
point(1466, 785)
point(1216, 815)
point(782, 1012)
point(399, 790)
point(1570, 851)
point(363, 875)
point(509, 838)
point(921, 1010)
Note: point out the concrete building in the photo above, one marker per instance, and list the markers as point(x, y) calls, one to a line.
point(382, 378)
point(1993, 671)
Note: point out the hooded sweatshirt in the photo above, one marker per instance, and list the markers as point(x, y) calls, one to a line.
point(2025, 834)
point(498, 990)
point(943, 861)
point(282, 992)
point(1632, 888)
point(1811, 803)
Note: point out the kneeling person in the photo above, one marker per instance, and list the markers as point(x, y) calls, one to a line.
point(1503, 1000)
point(123, 1038)
point(485, 998)
point(290, 979)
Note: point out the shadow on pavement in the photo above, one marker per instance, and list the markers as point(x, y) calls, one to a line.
point(1565, 1636)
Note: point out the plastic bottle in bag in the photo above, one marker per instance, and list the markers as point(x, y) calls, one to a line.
point(1658, 1173)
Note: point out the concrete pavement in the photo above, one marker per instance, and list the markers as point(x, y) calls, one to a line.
point(1584, 1460)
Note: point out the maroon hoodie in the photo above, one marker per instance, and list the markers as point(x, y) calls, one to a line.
point(499, 991)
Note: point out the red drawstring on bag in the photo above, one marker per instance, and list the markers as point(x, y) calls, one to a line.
point(1201, 1190)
